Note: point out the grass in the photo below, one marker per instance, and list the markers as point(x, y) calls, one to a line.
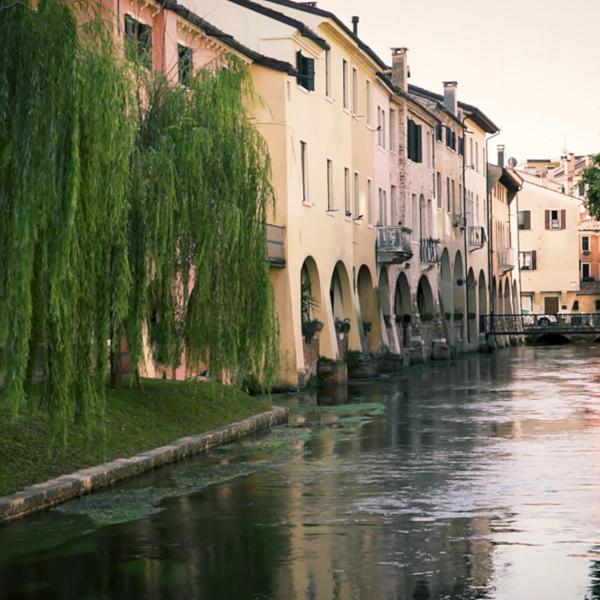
point(134, 421)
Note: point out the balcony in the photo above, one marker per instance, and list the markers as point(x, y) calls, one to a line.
point(506, 259)
point(393, 245)
point(430, 251)
point(476, 237)
point(276, 245)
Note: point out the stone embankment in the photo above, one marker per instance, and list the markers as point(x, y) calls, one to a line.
point(66, 487)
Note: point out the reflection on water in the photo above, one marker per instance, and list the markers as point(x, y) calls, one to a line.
point(478, 479)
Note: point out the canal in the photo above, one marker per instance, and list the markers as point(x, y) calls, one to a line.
point(478, 478)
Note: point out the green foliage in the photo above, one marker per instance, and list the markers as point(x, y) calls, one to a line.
point(200, 190)
point(126, 202)
point(66, 132)
point(591, 179)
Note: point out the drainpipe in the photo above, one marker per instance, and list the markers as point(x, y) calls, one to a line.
point(490, 237)
point(466, 249)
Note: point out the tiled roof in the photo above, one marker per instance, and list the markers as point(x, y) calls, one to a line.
point(589, 225)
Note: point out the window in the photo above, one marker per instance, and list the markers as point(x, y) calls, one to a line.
point(344, 84)
point(327, 73)
point(586, 271)
point(597, 305)
point(330, 200)
point(304, 165)
point(186, 64)
point(379, 125)
point(459, 207)
point(471, 161)
point(439, 132)
point(357, 212)
point(581, 189)
point(370, 201)
point(355, 91)
point(477, 156)
point(306, 71)
point(448, 195)
point(453, 188)
point(415, 217)
point(394, 200)
point(527, 303)
point(382, 207)
point(392, 130)
point(576, 305)
point(415, 142)
point(347, 207)
point(438, 178)
point(369, 109)
point(383, 128)
point(139, 37)
point(524, 219)
point(555, 219)
point(528, 260)
point(585, 243)
point(450, 138)
point(461, 146)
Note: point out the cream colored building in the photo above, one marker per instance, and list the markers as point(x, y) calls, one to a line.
point(548, 248)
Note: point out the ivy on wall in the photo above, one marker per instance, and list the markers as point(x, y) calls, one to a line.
point(118, 212)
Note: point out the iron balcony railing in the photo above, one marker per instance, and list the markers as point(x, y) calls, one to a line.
point(276, 245)
point(506, 259)
point(393, 244)
point(539, 324)
point(430, 251)
point(476, 237)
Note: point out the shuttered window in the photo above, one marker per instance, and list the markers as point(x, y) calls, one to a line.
point(555, 219)
point(306, 71)
point(139, 36)
point(415, 141)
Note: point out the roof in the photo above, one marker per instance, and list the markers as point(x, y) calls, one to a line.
point(435, 98)
point(278, 16)
point(309, 8)
point(399, 92)
point(212, 31)
point(589, 288)
point(475, 113)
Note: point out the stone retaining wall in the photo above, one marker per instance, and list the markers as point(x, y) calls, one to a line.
point(66, 487)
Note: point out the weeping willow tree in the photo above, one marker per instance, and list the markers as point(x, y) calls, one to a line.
point(199, 196)
point(123, 218)
point(66, 135)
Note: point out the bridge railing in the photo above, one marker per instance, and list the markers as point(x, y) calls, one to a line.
point(537, 323)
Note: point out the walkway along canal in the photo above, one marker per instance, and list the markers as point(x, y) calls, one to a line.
point(478, 478)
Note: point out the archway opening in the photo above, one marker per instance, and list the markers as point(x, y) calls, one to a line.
point(425, 299)
point(446, 287)
point(472, 312)
point(340, 295)
point(552, 339)
point(369, 309)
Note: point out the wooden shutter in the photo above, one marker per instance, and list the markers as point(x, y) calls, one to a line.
point(563, 218)
point(547, 219)
point(533, 260)
point(527, 223)
point(310, 73)
point(419, 143)
point(300, 68)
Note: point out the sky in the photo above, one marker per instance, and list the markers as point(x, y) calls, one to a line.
point(532, 66)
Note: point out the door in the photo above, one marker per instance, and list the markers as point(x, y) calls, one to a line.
point(551, 305)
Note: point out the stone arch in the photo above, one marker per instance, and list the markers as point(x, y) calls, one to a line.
point(311, 294)
point(424, 297)
point(402, 300)
point(369, 309)
point(384, 292)
point(471, 308)
point(340, 296)
point(515, 298)
point(446, 292)
point(507, 298)
point(483, 301)
point(459, 283)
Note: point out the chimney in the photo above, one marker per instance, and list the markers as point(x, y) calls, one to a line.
point(400, 70)
point(450, 101)
point(355, 20)
point(501, 155)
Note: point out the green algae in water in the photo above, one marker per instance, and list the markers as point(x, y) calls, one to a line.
point(126, 502)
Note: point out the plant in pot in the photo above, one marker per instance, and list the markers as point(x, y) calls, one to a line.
point(342, 325)
point(426, 317)
point(311, 328)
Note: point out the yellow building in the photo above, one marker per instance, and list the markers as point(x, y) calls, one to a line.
point(548, 248)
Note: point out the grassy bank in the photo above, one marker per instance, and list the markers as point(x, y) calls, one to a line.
point(134, 421)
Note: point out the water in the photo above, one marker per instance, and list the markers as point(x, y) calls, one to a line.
point(475, 479)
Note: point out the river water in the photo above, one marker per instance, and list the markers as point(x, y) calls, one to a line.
point(478, 478)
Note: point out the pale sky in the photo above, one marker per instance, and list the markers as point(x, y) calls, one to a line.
point(532, 66)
